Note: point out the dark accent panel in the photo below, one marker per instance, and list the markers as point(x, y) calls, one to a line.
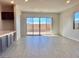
point(7, 15)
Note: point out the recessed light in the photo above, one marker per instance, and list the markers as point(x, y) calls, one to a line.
point(26, 0)
point(12, 2)
point(68, 1)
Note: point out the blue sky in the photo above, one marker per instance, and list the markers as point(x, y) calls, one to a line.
point(46, 20)
point(77, 16)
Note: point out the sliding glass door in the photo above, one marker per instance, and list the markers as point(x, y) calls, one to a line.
point(29, 25)
point(45, 25)
point(38, 26)
point(49, 25)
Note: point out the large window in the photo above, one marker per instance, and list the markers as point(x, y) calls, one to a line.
point(39, 24)
point(76, 20)
point(45, 20)
point(35, 20)
point(29, 21)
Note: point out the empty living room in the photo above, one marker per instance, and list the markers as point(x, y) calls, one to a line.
point(39, 28)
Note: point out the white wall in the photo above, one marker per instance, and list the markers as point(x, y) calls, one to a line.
point(7, 8)
point(0, 12)
point(6, 25)
point(0, 18)
point(17, 13)
point(66, 23)
point(55, 17)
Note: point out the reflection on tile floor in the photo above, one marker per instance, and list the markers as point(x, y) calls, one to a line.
point(43, 47)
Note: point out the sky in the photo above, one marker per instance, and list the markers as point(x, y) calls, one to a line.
point(77, 17)
point(46, 20)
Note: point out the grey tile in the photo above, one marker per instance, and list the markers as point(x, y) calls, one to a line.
point(43, 47)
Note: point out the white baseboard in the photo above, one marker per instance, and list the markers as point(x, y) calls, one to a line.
point(69, 38)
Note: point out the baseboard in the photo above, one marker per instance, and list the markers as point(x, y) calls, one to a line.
point(69, 38)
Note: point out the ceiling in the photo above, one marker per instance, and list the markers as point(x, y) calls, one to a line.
point(43, 5)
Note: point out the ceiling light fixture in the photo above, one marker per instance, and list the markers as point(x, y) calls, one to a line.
point(12, 2)
point(68, 1)
point(26, 0)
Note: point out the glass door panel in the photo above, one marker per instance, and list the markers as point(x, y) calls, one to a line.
point(36, 26)
point(29, 22)
point(49, 25)
point(43, 25)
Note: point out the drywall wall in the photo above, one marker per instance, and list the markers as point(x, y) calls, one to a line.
point(0, 17)
point(0, 12)
point(24, 15)
point(17, 13)
point(66, 23)
point(7, 8)
point(6, 25)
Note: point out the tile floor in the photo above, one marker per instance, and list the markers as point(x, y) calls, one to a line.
point(43, 47)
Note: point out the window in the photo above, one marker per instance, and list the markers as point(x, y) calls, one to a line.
point(35, 20)
point(29, 21)
point(49, 21)
point(38, 24)
point(76, 20)
point(46, 20)
point(77, 17)
point(42, 20)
